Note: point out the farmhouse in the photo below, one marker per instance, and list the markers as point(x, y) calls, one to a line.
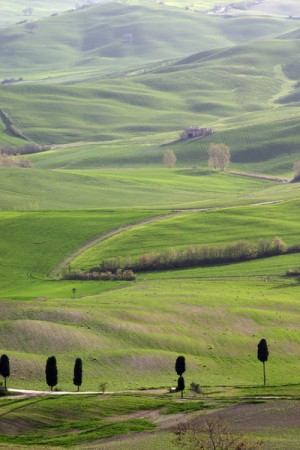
point(193, 131)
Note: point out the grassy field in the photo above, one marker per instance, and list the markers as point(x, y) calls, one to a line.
point(141, 188)
point(210, 228)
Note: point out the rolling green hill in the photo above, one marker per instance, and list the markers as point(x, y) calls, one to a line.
point(111, 87)
point(246, 92)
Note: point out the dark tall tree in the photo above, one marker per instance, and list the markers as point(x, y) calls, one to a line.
point(180, 385)
point(262, 355)
point(51, 372)
point(77, 380)
point(4, 368)
point(180, 369)
point(180, 365)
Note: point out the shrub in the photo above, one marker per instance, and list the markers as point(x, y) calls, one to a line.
point(119, 275)
point(279, 246)
point(14, 161)
point(103, 386)
point(293, 273)
point(195, 387)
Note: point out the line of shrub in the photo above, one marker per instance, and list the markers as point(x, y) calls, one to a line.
point(194, 256)
point(118, 275)
point(25, 149)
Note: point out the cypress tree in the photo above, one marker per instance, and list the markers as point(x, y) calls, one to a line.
point(77, 380)
point(180, 369)
point(180, 365)
point(180, 385)
point(4, 368)
point(262, 355)
point(51, 372)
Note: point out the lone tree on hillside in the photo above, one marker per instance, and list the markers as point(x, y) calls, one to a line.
point(51, 372)
point(77, 380)
point(180, 369)
point(169, 158)
point(27, 11)
point(262, 355)
point(219, 156)
point(4, 368)
point(31, 26)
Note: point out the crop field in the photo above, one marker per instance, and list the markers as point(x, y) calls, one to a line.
point(110, 88)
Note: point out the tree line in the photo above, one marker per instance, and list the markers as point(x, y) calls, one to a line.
point(51, 371)
point(195, 256)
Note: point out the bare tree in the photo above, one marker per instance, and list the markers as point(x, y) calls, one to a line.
point(169, 158)
point(219, 156)
point(215, 435)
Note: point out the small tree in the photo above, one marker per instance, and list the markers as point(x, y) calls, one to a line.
point(27, 11)
point(31, 26)
point(180, 369)
point(4, 368)
point(219, 156)
point(51, 372)
point(262, 355)
point(169, 158)
point(103, 386)
point(77, 380)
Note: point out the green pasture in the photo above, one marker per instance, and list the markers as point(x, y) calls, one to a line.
point(130, 336)
point(129, 333)
point(206, 228)
point(32, 243)
point(155, 188)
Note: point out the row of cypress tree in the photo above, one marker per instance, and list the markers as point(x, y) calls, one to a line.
point(52, 372)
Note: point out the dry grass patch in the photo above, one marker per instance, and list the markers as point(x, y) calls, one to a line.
point(37, 336)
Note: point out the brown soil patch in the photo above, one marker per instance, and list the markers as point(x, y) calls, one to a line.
point(252, 417)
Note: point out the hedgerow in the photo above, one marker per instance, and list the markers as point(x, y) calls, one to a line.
point(194, 256)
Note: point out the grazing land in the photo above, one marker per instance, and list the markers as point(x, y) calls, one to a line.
point(109, 88)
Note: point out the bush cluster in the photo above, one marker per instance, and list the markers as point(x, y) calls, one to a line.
point(195, 387)
point(194, 256)
point(118, 275)
point(293, 273)
point(14, 161)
